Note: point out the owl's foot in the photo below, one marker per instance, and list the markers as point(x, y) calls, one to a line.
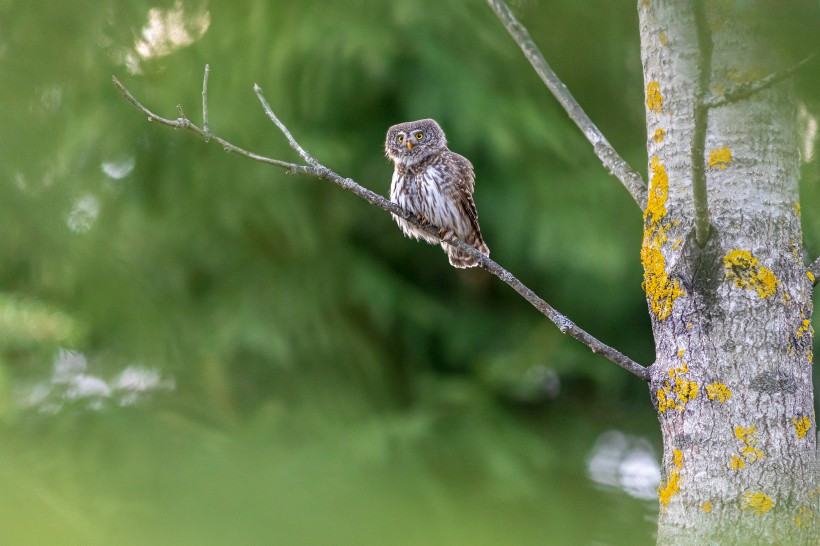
point(424, 221)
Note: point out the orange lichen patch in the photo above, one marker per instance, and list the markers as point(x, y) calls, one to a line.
point(663, 39)
point(676, 391)
point(804, 517)
point(718, 391)
point(680, 352)
point(736, 463)
point(654, 99)
point(706, 506)
point(677, 458)
point(661, 290)
point(758, 502)
point(806, 327)
point(810, 275)
point(658, 136)
point(720, 157)
point(746, 272)
point(801, 426)
point(751, 454)
point(669, 489)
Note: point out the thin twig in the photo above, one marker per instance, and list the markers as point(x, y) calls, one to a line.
point(745, 90)
point(614, 163)
point(317, 170)
point(205, 99)
point(293, 144)
point(814, 269)
point(698, 149)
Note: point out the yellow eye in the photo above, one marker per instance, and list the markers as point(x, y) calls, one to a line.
point(419, 135)
point(400, 139)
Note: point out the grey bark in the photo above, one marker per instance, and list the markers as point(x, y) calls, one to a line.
point(731, 320)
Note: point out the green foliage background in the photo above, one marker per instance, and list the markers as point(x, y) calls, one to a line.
point(335, 382)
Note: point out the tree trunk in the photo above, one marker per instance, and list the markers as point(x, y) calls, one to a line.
point(731, 320)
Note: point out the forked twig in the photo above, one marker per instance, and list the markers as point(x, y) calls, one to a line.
point(317, 170)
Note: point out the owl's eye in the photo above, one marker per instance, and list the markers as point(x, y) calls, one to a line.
point(400, 138)
point(419, 135)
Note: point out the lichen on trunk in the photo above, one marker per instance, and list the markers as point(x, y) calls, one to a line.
point(731, 319)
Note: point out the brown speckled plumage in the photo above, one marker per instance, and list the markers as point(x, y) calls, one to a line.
point(436, 183)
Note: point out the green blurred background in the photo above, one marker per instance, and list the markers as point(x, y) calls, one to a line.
point(199, 349)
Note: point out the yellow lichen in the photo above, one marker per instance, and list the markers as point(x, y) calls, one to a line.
point(810, 275)
point(654, 99)
point(801, 426)
point(661, 291)
point(736, 463)
point(804, 517)
point(663, 39)
point(680, 352)
point(751, 453)
point(744, 434)
point(805, 328)
point(677, 458)
point(758, 502)
point(796, 206)
point(718, 391)
point(658, 136)
point(706, 506)
point(720, 157)
point(669, 489)
point(746, 272)
point(676, 391)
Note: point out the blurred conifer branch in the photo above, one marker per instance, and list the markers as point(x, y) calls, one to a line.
point(615, 164)
point(317, 170)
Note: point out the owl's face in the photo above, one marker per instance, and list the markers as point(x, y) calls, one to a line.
point(411, 142)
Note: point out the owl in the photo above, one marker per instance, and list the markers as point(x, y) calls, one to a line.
point(436, 185)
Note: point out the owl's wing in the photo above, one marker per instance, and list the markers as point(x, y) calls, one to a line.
point(461, 190)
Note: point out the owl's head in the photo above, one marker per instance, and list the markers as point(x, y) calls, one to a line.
point(411, 142)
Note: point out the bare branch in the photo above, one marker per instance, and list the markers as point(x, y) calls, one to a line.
point(317, 170)
point(698, 149)
point(614, 163)
point(205, 99)
point(814, 270)
point(745, 90)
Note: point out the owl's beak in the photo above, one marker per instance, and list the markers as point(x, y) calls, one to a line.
point(409, 145)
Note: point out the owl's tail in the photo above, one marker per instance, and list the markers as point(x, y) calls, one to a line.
point(459, 258)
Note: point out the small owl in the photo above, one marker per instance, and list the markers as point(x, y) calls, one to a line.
point(436, 185)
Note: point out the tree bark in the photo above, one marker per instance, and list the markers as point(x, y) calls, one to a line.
point(731, 319)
